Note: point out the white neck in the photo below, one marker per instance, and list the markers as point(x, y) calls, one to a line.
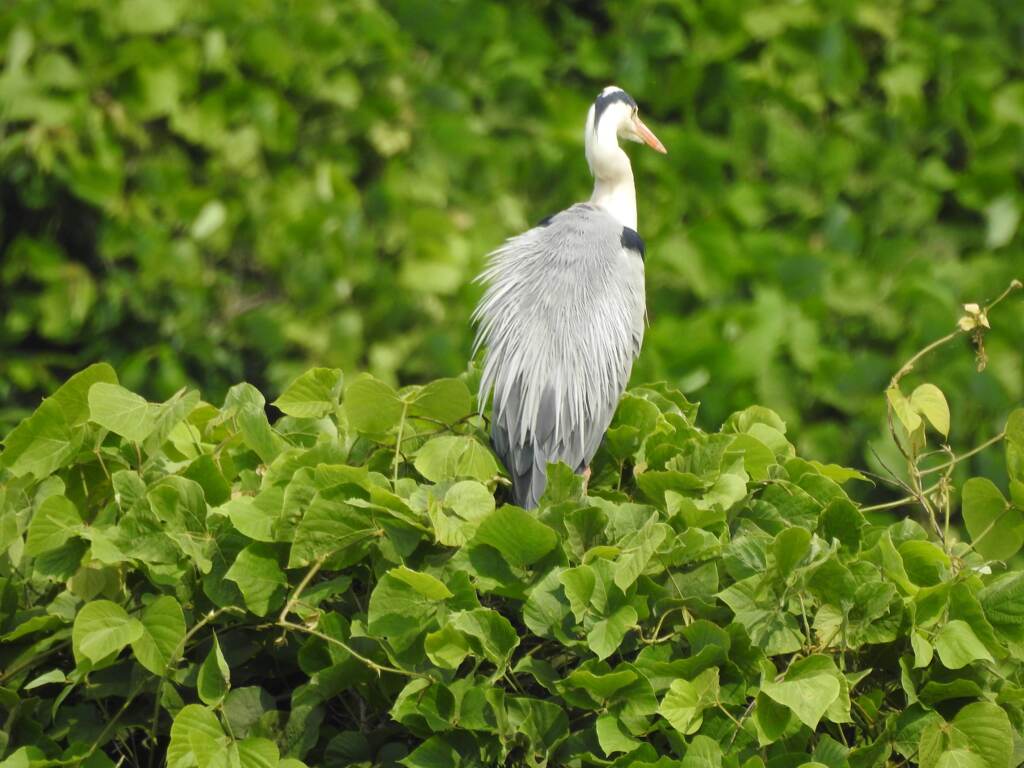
point(613, 174)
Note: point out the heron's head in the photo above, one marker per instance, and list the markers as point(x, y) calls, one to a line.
point(614, 115)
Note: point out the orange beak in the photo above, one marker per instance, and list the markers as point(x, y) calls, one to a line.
point(649, 138)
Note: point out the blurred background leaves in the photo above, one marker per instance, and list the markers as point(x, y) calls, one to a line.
point(208, 192)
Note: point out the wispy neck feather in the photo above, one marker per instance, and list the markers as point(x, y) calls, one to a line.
point(613, 174)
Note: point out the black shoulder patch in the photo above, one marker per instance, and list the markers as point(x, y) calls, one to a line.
point(603, 101)
point(632, 241)
point(546, 220)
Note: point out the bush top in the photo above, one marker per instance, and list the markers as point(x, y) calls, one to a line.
point(345, 587)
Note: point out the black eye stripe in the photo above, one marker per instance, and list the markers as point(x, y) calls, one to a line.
point(603, 101)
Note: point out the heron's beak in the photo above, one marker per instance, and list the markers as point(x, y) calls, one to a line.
point(648, 138)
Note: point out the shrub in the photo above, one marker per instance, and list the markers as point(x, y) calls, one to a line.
point(192, 583)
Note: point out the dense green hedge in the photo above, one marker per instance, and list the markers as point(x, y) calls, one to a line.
point(192, 585)
point(205, 192)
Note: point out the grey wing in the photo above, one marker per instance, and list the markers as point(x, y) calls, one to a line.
point(562, 320)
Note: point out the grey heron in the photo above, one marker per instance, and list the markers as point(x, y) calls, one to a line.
point(562, 317)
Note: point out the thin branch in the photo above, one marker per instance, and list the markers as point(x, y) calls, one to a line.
point(378, 668)
point(398, 442)
point(949, 464)
point(33, 659)
point(314, 569)
point(909, 365)
point(179, 651)
point(1013, 286)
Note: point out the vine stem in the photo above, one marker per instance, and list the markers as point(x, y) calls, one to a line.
point(378, 668)
point(909, 365)
point(899, 502)
point(297, 593)
point(953, 462)
point(179, 650)
point(398, 442)
point(285, 624)
point(917, 493)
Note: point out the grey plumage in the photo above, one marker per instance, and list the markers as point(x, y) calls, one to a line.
point(562, 320)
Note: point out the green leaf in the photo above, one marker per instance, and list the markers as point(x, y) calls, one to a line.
point(446, 648)
point(214, 679)
point(455, 456)
point(258, 434)
point(244, 708)
point(958, 646)
point(928, 400)
point(194, 726)
point(53, 676)
point(922, 650)
point(637, 551)
point(1015, 446)
point(41, 444)
point(601, 686)
point(435, 752)
point(257, 752)
point(1002, 217)
point(258, 576)
point(398, 612)
point(612, 735)
point(73, 395)
point(469, 499)
point(579, 584)
point(371, 406)
point(842, 520)
point(312, 395)
point(988, 731)
point(148, 17)
point(1003, 600)
point(256, 516)
point(517, 535)
point(837, 473)
point(996, 529)
point(686, 700)
point(960, 758)
point(904, 411)
point(424, 583)
point(329, 525)
point(808, 697)
point(704, 752)
point(925, 563)
point(54, 523)
point(444, 400)
point(490, 632)
point(163, 630)
point(102, 628)
point(166, 416)
point(790, 547)
point(771, 630)
point(771, 719)
point(757, 457)
point(44, 441)
point(608, 633)
point(122, 412)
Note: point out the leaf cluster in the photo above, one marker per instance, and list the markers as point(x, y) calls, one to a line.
point(189, 583)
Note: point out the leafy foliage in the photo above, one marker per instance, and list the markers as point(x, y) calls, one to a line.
point(208, 192)
point(194, 584)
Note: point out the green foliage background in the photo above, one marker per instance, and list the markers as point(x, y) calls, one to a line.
point(207, 192)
